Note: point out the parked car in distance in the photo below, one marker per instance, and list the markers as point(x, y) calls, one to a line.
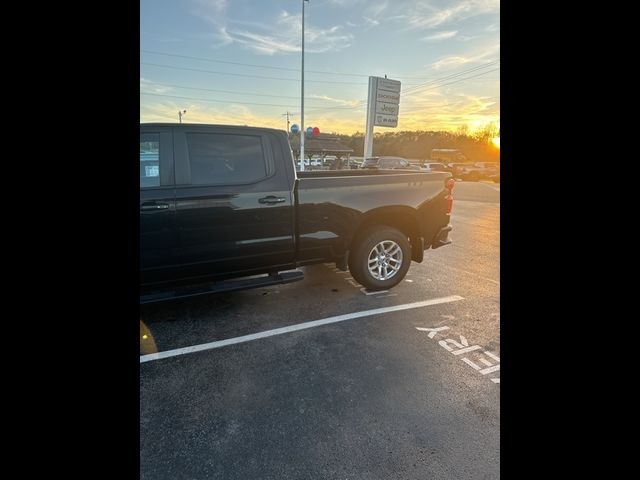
point(436, 167)
point(316, 162)
point(456, 168)
point(389, 163)
point(447, 155)
point(479, 171)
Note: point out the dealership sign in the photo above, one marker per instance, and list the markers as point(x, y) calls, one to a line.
point(387, 97)
point(383, 105)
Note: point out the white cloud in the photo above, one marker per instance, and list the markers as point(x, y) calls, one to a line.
point(426, 16)
point(339, 101)
point(444, 112)
point(282, 35)
point(149, 86)
point(441, 36)
point(213, 12)
point(377, 9)
point(457, 60)
point(370, 22)
point(222, 37)
point(373, 15)
point(285, 37)
point(344, 3)
point(215, 5)
point(263, 43)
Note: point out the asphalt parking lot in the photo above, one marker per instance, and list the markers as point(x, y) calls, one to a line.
point(399, 384)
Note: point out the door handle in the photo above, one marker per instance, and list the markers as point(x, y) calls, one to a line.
point(270, 200)
point(146, 207)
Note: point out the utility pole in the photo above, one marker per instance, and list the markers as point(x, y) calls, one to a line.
point(287, 114)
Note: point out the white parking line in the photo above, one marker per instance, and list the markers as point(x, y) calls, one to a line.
point(377, 292)
point(465, 271)
point(294, 328)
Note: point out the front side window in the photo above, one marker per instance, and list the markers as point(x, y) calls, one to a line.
point(149, 160)
point(220, 158)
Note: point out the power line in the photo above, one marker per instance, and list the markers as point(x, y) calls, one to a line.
point(257, 76)
point(271, 67)
point(342, 107)
point(410, 110)
point(248, 75)
point(224, 91)
point(453, 75)
point(418, 108)
point(339, 107)
point(480, 99)
point(218, 101)
point(433, 84)
point(456, 81)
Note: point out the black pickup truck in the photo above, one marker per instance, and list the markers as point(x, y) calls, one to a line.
point(223, 208)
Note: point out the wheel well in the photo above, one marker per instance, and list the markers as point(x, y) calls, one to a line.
point(399, 219)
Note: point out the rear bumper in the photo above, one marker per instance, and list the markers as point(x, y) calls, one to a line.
point(442, 237)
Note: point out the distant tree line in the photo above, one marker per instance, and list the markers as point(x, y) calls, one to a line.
point(418, 144)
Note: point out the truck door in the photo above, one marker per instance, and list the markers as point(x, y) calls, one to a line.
point(233, 201)
point(158, 233)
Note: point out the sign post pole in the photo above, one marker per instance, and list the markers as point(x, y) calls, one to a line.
point(371, 110)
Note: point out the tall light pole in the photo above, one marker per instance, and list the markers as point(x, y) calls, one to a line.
point(302, 133)
point(180, 113)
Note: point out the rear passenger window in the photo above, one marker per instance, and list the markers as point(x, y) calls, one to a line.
point(218, 158)
point(149, 160)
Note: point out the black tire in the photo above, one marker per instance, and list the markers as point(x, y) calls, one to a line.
point(396, 261)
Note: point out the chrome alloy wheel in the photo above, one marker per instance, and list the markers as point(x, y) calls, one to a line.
point(385, 260)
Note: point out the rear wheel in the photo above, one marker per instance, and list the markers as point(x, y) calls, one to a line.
point(380, 258)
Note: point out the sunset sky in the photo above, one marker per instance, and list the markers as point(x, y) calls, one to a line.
point(238, 61)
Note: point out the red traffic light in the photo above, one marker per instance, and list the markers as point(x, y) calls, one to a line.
point(316, 131)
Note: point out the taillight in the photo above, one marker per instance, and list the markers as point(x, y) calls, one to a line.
point(449, 184)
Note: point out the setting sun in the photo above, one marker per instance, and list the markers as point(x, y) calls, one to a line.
point(496, 141)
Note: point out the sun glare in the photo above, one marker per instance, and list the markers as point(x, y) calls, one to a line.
point(496, 141)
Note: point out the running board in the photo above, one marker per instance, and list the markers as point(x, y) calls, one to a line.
point(223, 286)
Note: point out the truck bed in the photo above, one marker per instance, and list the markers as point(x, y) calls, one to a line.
point(332, 205)
point(360, 172)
